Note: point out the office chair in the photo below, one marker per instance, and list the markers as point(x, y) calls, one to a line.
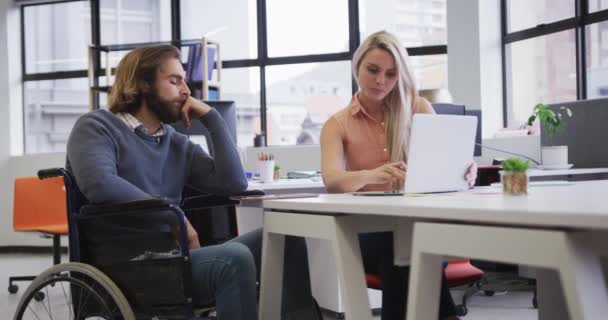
point(39, 206)
point(458, 273)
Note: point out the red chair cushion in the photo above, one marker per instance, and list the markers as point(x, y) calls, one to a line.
point(457, 273)
point(461, 272)
point(373, 281)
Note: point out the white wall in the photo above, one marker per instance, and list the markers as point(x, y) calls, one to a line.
point(475, 58)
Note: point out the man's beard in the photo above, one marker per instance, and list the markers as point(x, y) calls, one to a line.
point(165, 110)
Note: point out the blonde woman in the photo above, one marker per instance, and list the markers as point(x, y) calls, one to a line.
point(364, 147)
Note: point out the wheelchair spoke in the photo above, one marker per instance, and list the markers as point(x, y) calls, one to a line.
point(80, 304)
point(47, 310)
point(34, 312)
point(48, 300)
point(114, 308)
point(68, 301)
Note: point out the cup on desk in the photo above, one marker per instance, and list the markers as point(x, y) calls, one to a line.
point(265, 166)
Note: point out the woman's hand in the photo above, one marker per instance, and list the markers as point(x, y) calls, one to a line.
point(471, 174)
point(393, 172)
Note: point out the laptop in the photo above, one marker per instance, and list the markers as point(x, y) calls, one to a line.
point(441, 151)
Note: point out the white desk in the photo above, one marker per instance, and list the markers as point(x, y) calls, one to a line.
point(596, 173)
point(567, 211)
point(288, 186)
point(252, 217)
point(325, 283)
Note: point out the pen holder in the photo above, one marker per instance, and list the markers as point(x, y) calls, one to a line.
point(266, 170)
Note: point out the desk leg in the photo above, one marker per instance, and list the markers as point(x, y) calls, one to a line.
point(425, 286)
point(271, 278)
point(349, 265)
point(583, 280)
point(402, 242)
point(551, 301)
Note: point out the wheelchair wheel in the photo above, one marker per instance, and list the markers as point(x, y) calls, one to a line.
point(73, 291)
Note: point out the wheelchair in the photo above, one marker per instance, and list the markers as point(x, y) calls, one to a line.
point(137, 272)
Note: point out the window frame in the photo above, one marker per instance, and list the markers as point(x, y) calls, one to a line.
point(262, 61)
point(581, 19)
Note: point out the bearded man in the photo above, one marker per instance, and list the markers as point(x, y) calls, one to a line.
point(131, 153)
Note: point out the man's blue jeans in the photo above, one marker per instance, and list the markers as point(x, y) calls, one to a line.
point(226, 274)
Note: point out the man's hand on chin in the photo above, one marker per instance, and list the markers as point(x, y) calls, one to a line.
point(193, 109)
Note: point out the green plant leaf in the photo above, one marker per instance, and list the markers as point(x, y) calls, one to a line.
point(531, 120)
point(515, 164)
point(552, 121)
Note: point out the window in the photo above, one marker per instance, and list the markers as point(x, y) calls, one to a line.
point(524, 14)
point(307, 27)
point(541, 61)
point(51, 108)
point(305, 66)
point(134, 21)
point(597, 60)
point(543, 70)
point(46, 26)
point(597, 5)
point(242, 85)
point(302, 97)
point(430, 71)
point(417, 23)
point(233, 24)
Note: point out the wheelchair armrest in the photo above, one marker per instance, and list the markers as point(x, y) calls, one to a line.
point(254, 192)
point(206, 201)
point(212, 201)
point(146, 204)
point(51, 173)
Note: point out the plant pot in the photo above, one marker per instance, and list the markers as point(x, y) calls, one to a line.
point(514, 182)
point(554, 155)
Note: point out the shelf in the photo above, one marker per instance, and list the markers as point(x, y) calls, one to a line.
point(206, 88)
point(131, 46)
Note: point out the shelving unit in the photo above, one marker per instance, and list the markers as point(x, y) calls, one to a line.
point(207, 83)
point(100, 78)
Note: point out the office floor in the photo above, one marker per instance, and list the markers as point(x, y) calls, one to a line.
point(502, 306)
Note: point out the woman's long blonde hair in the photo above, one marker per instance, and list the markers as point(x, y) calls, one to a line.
point(398, 104)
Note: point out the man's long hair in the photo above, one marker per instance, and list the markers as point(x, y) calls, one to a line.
point(136, 68)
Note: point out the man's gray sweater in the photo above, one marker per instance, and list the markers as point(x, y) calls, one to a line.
point(112, 163)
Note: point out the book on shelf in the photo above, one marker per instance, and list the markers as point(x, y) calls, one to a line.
point(194, 69)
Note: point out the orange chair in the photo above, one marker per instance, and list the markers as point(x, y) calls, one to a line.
point(457, 273)
point(40, 206)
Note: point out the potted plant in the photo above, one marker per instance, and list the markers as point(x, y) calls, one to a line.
point(277, 172)
point(514, 176)
point(552, 123)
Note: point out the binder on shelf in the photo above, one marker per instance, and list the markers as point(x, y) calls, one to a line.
point(195, 70)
